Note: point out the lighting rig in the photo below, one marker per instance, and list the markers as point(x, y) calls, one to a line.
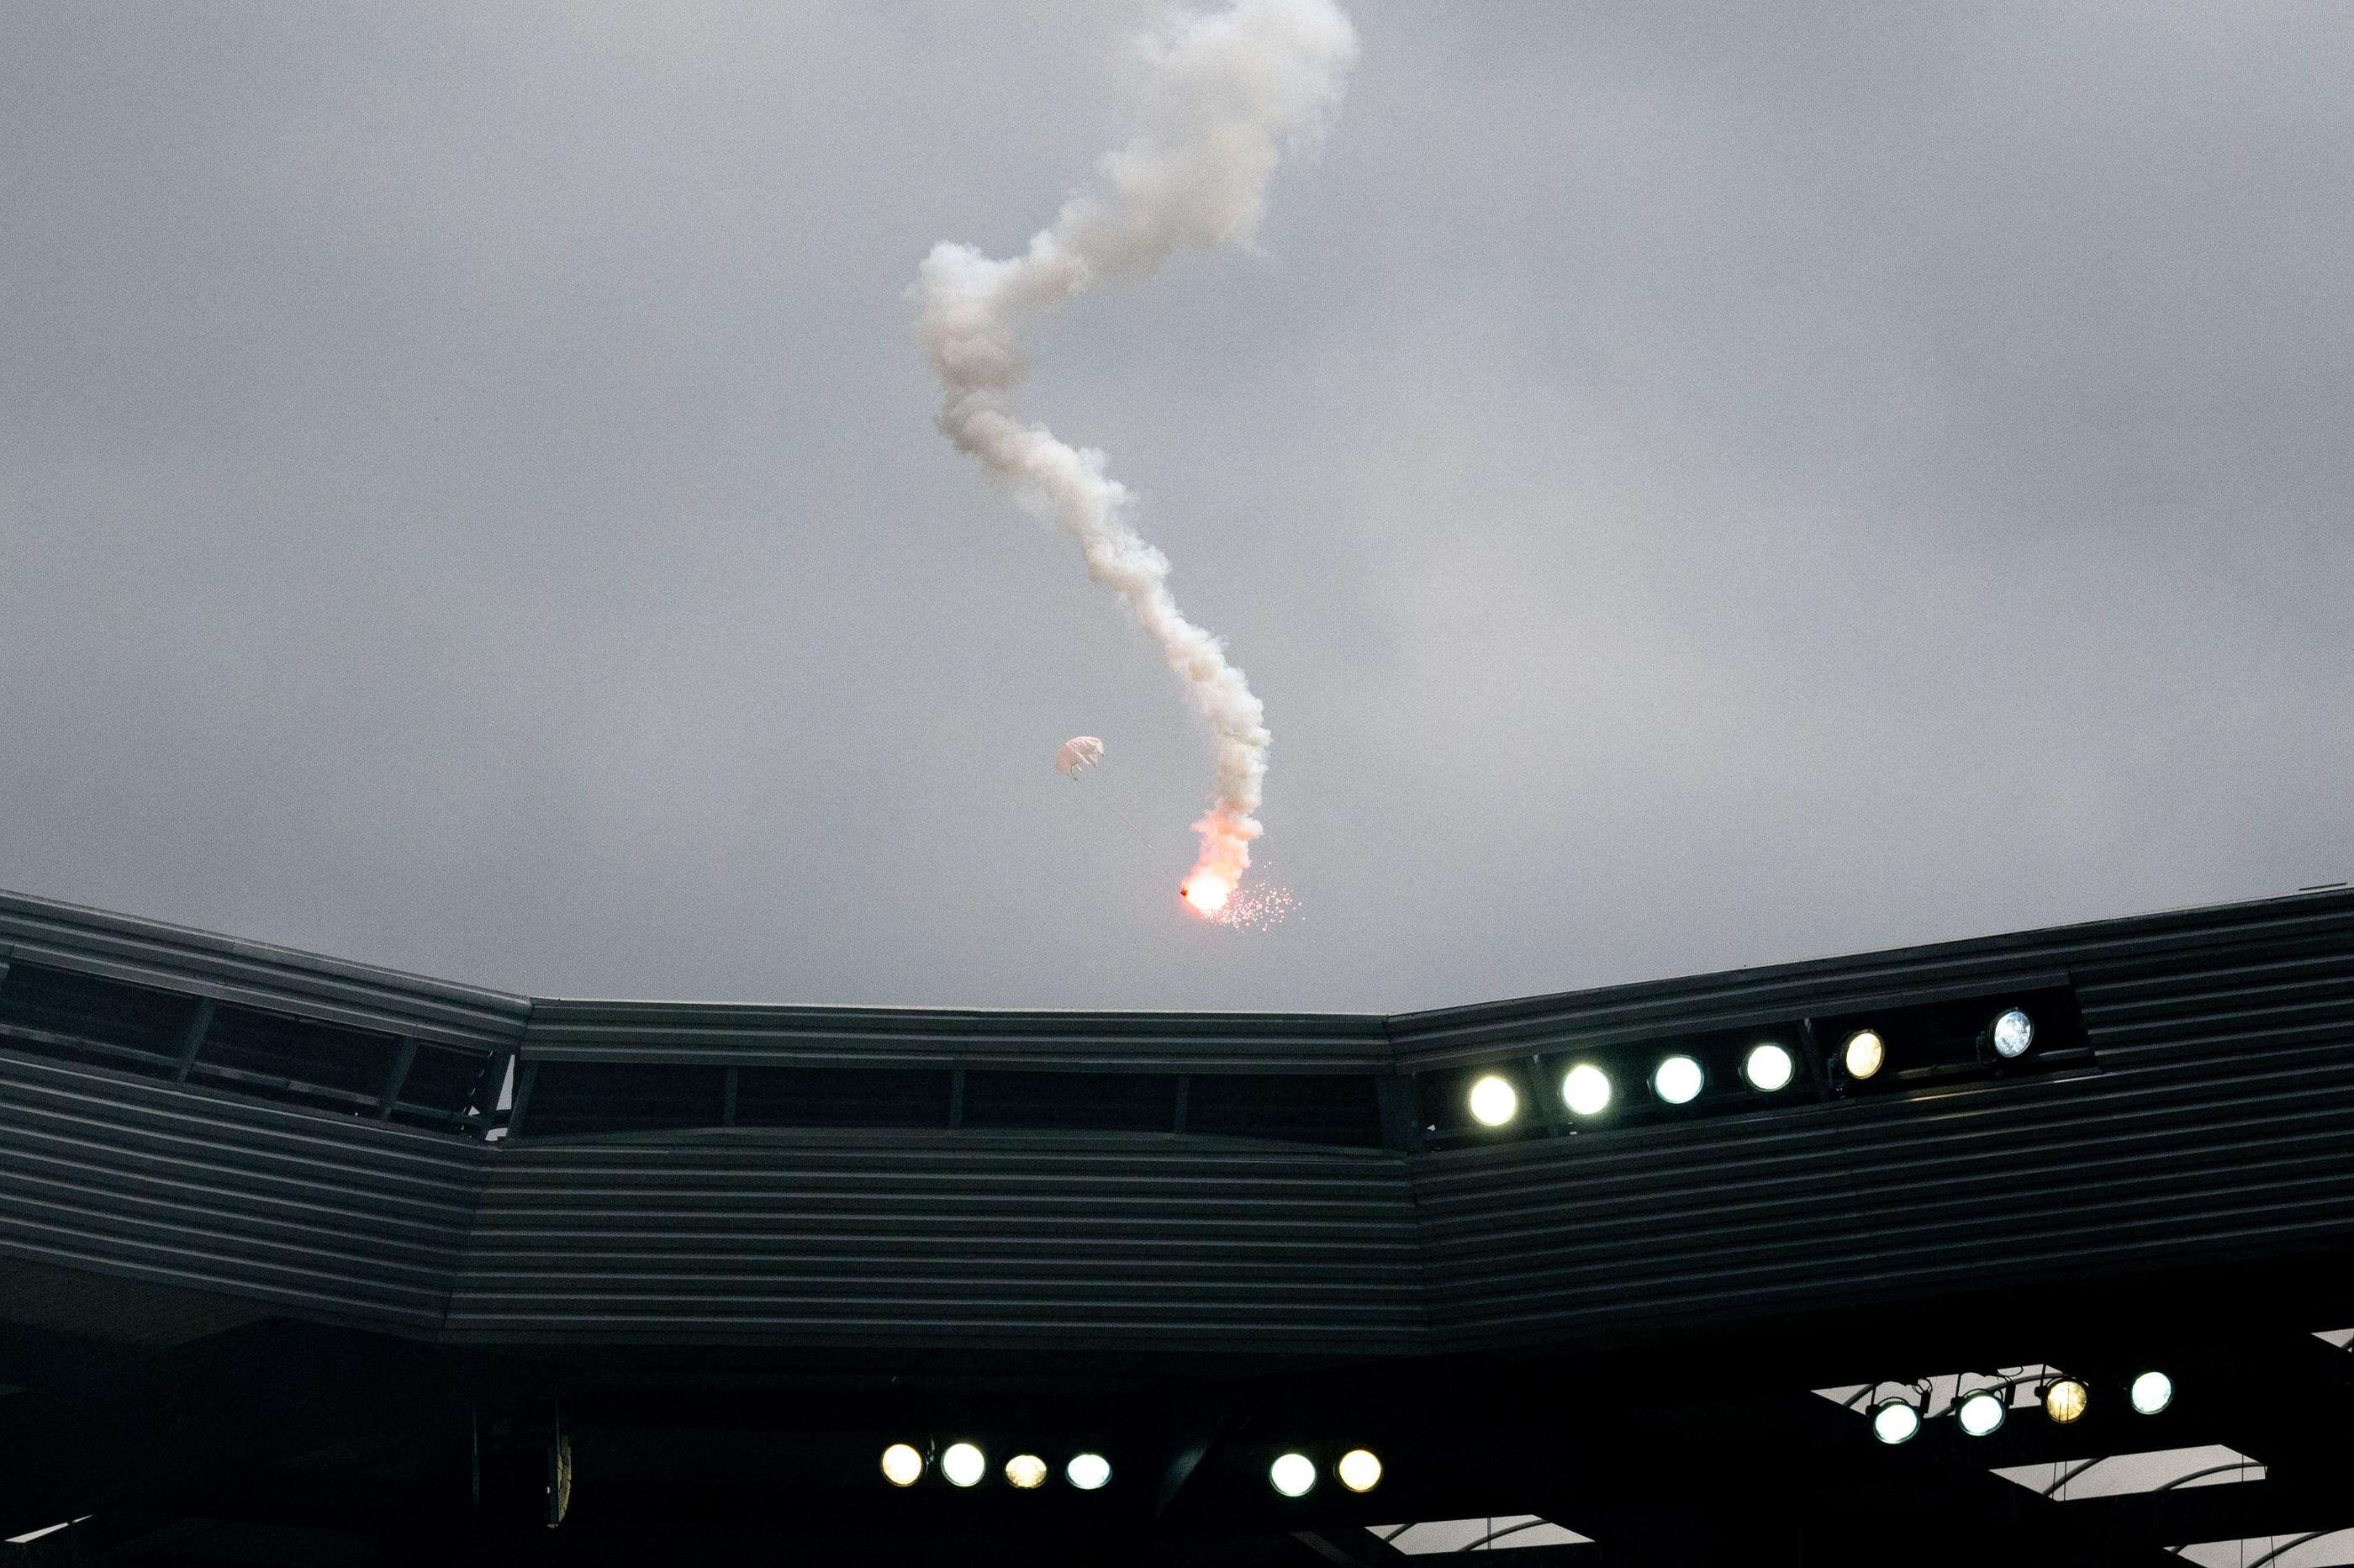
point(1979, 1410)
point(1900, 1048)
point(1292, 1473)
point(963, 1465)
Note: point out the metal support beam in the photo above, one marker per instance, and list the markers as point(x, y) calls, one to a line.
point(526, 1075)
point(396, 1078)
point(192, 1039)
point(1352, 1548)
point(2230, 1512)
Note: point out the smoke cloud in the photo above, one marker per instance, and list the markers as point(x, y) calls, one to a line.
point(1226, 93)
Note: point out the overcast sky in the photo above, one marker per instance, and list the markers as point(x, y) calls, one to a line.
point(1693, 487)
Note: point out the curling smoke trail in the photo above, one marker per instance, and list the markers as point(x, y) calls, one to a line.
point(1226, 92)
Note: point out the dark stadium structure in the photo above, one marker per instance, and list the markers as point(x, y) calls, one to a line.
point(304, 1262)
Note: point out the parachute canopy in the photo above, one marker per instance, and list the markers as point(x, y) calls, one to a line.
point(1079, 751)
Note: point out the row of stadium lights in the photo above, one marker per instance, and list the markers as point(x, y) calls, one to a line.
point(963, 1465)
point(1768, 1067)
point(1980, 1412)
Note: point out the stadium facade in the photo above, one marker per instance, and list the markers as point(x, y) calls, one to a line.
point(303, 1261)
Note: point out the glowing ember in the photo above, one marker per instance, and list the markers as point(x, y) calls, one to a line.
point(1206, 894)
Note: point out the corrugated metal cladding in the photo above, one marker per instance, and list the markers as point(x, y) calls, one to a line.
point(279, 979)
point(939, 1038)
point(2221, 1124)
point(326, 1216)
point(1161, 1245)
point(2217, 1123)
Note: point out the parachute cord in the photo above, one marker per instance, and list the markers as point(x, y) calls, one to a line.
point(1142, 842)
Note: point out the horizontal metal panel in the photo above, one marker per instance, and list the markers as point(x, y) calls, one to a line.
point(148, 952)
point(1883, 1200)
point(940, 1037)
point(330, 1216)
point(1464, 1035)
point(1153, 1245)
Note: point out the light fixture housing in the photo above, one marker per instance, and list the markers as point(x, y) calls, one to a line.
point(1895, 1420)
point(963, 1464)
point(2151, 1391)
point(1359, 1470)
point(2064, 1399)
point(1293, 1475)
point(1585, 1090)
point(902, 1464)
point(2011, 1034)
point(1026, 1471)
point(1863, 1053)
point(1088, 1472)
point(1494, 1101)
point(1980, 1413)
point(1678, 1079)
point(1768, 1066)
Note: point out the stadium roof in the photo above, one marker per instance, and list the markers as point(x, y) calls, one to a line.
point(316, 1258)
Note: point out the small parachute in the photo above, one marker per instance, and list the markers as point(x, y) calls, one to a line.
point(1079, 751)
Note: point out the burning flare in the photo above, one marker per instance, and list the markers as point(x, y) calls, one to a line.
point(1226, 92)
point(1206, 891)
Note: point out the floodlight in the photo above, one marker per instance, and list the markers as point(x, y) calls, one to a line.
point(962, 1465)
point(902, 1465)
point(1895, 1421)
point(1863, 1053)
point(2063, 1400)
point(1767, 1066)
point(1981, 1414)
point(2152, 1391)
point(1293, 1475)
point(1585, 1090)
point(1678, 1080)
point(1087, 1472)
point(1026, 1471)
point(1494, 1101)
point(2014, 1031)
point(1359, 1470)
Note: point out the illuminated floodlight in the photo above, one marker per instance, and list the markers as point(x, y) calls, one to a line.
point(1494, 1101)
point(2014, 1031)
point(1293, 1475)
point(2152, 1391)
point(2064, 1400)
point(1862, 1053)
point(962, 1464)
point(1026, 1471)
point(1895, 1421)
point(1088, 1472)
point(1981, 1414)
point(902, 1465)
point(1767, 1066)
point(1585, 1090)
point(1678, 1080)
point(1359, 1470)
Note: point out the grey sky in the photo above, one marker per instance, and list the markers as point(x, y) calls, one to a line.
point(1693, 488)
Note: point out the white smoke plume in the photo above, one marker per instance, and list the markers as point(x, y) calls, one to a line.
point(1226, 92)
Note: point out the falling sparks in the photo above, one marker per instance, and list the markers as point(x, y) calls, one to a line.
point(1255, 908)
